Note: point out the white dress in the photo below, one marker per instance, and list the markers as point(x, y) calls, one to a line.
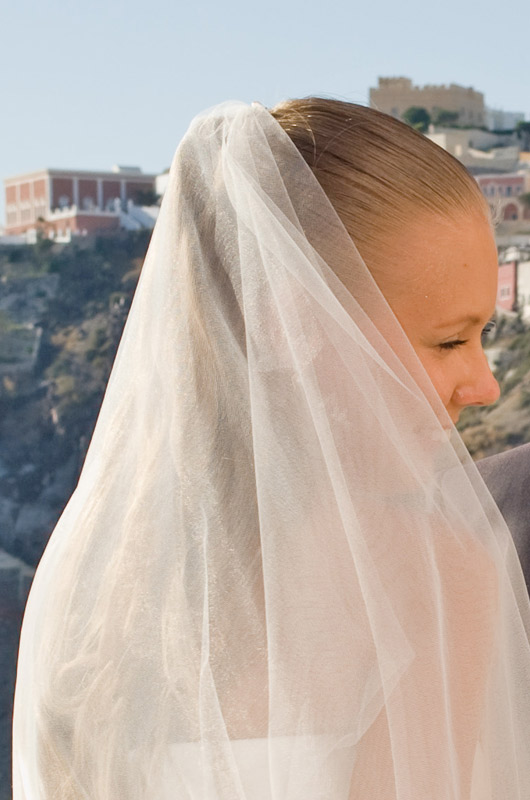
point(264, 770)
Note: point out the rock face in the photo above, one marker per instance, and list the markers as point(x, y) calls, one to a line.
point(33, 521)
point(62, 310)
point(26, 299)
point(15, 581)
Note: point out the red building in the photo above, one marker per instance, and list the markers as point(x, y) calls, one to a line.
point(507, 286)
point(503, 191)
point(63, 202)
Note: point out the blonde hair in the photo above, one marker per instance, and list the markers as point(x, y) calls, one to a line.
point(377, 172)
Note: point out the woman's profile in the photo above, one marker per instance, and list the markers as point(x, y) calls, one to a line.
point(281, 576)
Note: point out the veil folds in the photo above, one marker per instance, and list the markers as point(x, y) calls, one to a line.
point(278, 578)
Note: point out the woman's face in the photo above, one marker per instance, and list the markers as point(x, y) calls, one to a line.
point(443, 288)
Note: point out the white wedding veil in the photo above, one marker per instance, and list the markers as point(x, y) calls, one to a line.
point(278, 577)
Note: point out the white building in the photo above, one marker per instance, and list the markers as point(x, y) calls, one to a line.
point(499, 120)
point(478, 150)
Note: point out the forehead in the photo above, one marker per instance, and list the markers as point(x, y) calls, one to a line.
point(441, 269)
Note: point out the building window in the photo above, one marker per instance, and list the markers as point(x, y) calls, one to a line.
point(64, 201)
point(508, 191)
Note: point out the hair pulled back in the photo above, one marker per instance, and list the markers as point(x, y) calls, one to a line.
point(379, 173)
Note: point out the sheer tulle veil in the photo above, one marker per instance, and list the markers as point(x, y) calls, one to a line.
point(275, 548)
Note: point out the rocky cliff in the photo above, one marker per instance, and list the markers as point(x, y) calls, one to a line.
point(62, 310)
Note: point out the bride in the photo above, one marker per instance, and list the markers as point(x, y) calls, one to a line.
point(281, 576)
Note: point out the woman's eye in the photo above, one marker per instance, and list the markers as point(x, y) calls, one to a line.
point(489, 327)
point(453, 344)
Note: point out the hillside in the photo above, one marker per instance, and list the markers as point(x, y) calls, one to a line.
point(62, 310)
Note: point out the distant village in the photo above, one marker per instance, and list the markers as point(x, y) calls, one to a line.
point(493, 144)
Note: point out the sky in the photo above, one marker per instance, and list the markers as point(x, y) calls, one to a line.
point(85, 85)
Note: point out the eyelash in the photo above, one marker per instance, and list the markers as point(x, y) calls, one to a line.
point(452, 345)
point(459, 342)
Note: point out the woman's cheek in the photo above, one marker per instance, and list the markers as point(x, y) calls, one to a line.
point(441, 375)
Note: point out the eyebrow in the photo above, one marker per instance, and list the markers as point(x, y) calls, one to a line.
point(471, 319)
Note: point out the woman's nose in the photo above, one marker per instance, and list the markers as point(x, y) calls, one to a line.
point(480, 388)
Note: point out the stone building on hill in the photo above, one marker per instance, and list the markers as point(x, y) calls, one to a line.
point(65, 202)
point(395, 95)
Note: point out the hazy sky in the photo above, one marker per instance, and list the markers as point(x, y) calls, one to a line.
point(87, 85)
